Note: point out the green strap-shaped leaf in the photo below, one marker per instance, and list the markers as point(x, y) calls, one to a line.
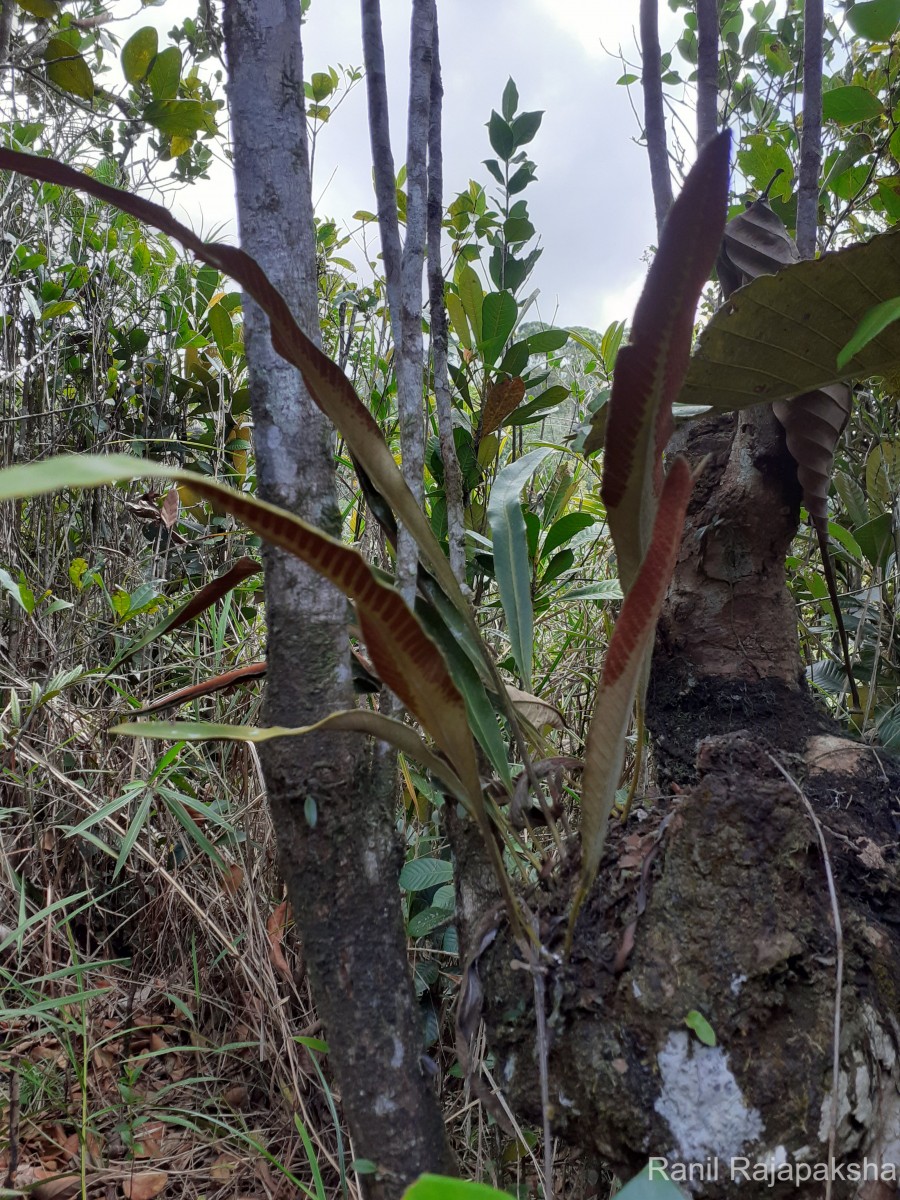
point(512, 563)
point(631, 643)
point(326, 383)
point(355, 720)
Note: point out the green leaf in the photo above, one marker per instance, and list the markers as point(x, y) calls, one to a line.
point(759, 159)
point(472, 296)
point(651, 1184)
point(498, 318)
point(875, 20)
point(540, 406)
point(547, 340)
point(780, 336)
point(501, 137)
point(322, 85)
point(165, 74)
point(558, 565)
point(57, 309)
point(875, 320)
point(442, 1187)
point(510, 100)
point(67, 69)
point(138, 53)
point(704, 1031)
point(424, 922)
point(458, 320)
point(564, 530)
point(42, 9)
point(179, 118)
point(602, 589)
point(221, 328)
point(851, 104)
point(876, 538)
point(524, 127)
point(419, 874)
point(511, 562)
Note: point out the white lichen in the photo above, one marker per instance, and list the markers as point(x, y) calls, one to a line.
point(701, 1101)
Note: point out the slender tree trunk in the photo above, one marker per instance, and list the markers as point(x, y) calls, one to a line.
point(332, 811)
point(707, 71)
point(654, 113)
point(7, 12)
point(453, 485)
point(403, 268)
point(811, 133)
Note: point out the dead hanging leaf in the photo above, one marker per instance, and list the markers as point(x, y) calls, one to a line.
point(144, 1185)
point(502, 400)
point(756, 242)
point(812, 425)
point(540, 713)
point(170, 506)
point(246, 674)
point(232, 877)
point(275, 927)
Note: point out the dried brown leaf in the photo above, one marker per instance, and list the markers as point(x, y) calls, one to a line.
point(502, 400)
point(144, 1185)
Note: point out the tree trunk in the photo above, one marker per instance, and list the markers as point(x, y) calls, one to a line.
point(718, 900)
point(333, 811)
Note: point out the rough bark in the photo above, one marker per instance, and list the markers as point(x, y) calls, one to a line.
point(654, 112)
point(7, 12)
point(341, 870)
point(707, 71)
point(811, 132)
point(453, 483)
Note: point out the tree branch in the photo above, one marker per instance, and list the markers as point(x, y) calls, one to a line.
point(654, 114)
point(7, 9)
point(811, 133)
point(707, 71)
point(453, 484)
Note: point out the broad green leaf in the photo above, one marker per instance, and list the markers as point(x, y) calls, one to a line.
point(698, 1023)
point(852, 497)
point(42, 9)
point(472, 296)
point(498, 318)
point(442, 1187)
point(558, 565)
point(512, 564)
point(851, 104)
point(424, 922)
point(632, 640)
point(870, 326)
point(602, 589)
point(510, 100)
point(138, 53)
point(57, 309)
point(419, 874)
point(759, 158)
point(221, 328)
point(540, 406)
point(651, 1184)
point(180, 118)
point(883, 474)
point(876, 538)
point(524, 127)
point(874, 20)
point(68, 69)
point(501, 137)
point(165, 74)
point(564, 530)
point(780, 336)
point(458, 320)
point(547, 340)
point(356, 720)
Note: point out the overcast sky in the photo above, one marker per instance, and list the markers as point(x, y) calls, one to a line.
point(591, 203)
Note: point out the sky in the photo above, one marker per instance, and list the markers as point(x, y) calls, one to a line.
point(591, 204)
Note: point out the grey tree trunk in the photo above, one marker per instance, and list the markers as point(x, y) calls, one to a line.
point(341, 868)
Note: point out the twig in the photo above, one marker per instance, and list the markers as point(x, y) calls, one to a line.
point(654, 114)
point(839, 972)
